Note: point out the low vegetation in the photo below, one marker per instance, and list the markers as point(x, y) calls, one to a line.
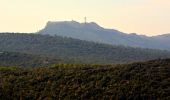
point(139, 81)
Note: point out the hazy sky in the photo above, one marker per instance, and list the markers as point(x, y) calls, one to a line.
point(149, 17)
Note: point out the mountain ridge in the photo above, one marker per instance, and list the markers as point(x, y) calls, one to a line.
point(75, 50)
point(93, 32)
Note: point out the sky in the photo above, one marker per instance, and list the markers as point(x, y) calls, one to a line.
point(145, 17)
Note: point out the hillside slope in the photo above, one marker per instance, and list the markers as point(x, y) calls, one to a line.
point(9, 59)
point(137, 81)
point(75, 51)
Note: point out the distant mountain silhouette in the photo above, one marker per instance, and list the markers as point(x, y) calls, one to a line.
point(94, 32)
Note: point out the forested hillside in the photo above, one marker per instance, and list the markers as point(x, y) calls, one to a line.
point(75, 51)
point(138, 81)
point(9, 59)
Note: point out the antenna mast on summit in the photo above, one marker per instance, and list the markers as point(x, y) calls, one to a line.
point(85, 20)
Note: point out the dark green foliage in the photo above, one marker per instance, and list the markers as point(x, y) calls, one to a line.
point(75, 51)
point(25, 60)
point(138, 81)
point(8, 68)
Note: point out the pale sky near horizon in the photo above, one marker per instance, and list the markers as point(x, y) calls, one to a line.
point(148, 17)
